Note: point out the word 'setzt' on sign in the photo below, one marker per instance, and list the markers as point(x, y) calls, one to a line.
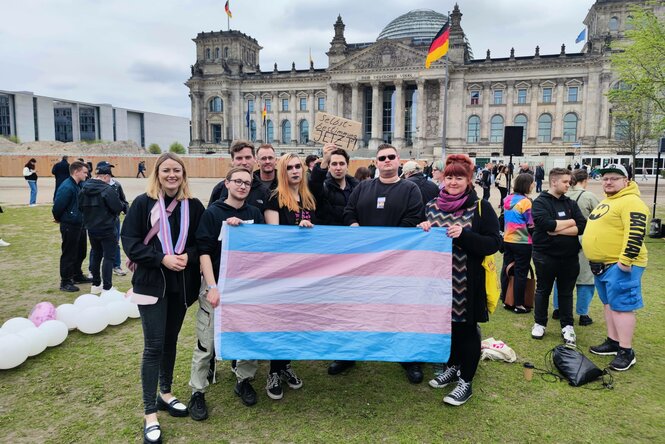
point(342, 132)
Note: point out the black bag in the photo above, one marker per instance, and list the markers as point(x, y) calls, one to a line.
point(574, 366)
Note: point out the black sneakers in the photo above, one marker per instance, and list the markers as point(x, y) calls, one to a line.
point(413, 372)
point(274, 386)
point(624, 359)
point(585, 320)
point(555, 314)
point(198, 410)
point(246, 392)
point(460, 394)
point(607, 348)
point(337, 367)
point(69, 287)
point(448, 376)
point(289, 376)
point(81, 279)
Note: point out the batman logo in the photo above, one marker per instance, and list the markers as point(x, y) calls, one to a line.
point(600, 211)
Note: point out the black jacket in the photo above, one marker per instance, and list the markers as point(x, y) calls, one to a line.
point(100, 206)
point(373, 203)
point(151, 277)
point(66, 205)
point(258, 195)
point(540, 173)
point(331, 199)
point(428, 189)
point(61, 172)
point(546, 210)
point(273, 184)
point(121, 195)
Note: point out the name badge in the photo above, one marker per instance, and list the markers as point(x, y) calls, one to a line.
point(562, 213)
point(380, 203)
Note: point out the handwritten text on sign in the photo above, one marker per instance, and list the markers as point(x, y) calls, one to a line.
point(342, 132)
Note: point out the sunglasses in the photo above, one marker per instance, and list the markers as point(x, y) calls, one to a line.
point(297, 166)
point(239, 183)
point(389, 157)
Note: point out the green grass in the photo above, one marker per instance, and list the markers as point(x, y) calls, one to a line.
point(88, 389)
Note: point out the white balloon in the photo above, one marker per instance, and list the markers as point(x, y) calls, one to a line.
point(117, 312)
point(132, 310)
point(15, 325)
point(92, 320)
point(88, 300)
point(56, 332)
point(111, 296)
point(68, 313)
point(3, 332)
point(13, 351)
point(36, 340)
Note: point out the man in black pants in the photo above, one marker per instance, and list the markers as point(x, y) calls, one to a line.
point(387, 201)
point(66, 213)
point(558, 221)
point(61, 172)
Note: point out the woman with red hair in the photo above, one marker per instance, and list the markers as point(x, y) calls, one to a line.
point(474, 228)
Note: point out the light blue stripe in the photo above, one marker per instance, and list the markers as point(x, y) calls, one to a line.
point(330, 290)
point(361, 346)
point(334, 240)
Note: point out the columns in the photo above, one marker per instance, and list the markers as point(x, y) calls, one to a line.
point(257, 117)
point(355, 115)
point(277, 123)
point(197, 134)
point(331, 99)
point(238, 117)
point(557, 124)
point(311, 102)
point(421, 112)
point(226, 129)
point(295, 130)
point(340, 100)
point(398, 131)
point(534, 91)
point(485, 118)
point(510, 98)
point(443, 119)
point(377, 122)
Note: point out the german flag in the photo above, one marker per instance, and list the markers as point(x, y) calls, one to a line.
point(264, 113)
point(439, 46)
point(227, 9)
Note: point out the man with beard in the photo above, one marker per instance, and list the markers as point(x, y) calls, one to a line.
point(267, 161)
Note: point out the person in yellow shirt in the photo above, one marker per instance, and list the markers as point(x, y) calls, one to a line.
point(614, 244)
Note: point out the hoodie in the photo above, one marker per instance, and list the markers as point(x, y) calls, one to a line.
point(518, 219)
point(331, 199)
point(258, 195)
point(546, 210)
point(100, 205)
point(428, 190)
point(616, 229)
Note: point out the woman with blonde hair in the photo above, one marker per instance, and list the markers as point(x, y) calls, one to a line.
point(158, 236)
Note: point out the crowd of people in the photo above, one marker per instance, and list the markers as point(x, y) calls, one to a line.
point(172, 243)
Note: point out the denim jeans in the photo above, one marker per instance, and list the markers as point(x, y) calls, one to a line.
point(102, 246)
point(33, 191)
point(584, 297)
point(161, 325)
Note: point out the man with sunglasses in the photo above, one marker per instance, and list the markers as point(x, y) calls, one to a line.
point(614, 244)
point(267, 173)
point(387, 201)
point(233, 210)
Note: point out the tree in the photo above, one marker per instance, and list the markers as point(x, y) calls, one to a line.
point(633, 125)
point(177, 148)
point(154, 149)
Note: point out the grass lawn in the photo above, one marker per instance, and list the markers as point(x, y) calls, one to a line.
point(88, 389)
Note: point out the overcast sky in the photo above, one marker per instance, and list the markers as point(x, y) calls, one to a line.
point(136, 54)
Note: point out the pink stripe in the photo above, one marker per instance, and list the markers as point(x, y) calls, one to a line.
point(405, 263)
point(336, 317)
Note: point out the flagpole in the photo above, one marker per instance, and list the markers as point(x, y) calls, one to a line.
point(445, 106)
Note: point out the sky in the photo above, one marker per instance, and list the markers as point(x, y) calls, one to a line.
point(137, 54)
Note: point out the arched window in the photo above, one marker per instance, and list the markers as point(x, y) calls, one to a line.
point(252, 130)
point(304, 131)
point(207, 53)
point(270, 130)
point(521, 120)
point(614, 24)
point(286, 132)
point(226, 52)
point(217, 53)
point(570, 127)
point(496, 129)
point(216, 105)
point(545, 128)
point(473, 132)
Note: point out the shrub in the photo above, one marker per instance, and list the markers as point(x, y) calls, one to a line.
point(13, 139)
point(154, 149)
point(177, 148)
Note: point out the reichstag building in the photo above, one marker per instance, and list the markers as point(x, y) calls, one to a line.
point(559, 99)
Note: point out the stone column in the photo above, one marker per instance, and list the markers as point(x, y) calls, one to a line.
point(331, 99)
point(557, 124)
point(532, 123)
point(398, 131)
point(421, 112)
point(442, 120)
point(198, 131)
point(604, 129)
point(377, 122)
point(485, 118)
point(277, 123)
point(195, 120)
point(510, 98)
point(354, 102)
point(257, 117)
point(311, 104)
point(340, 100)
point(226, 128)
point(295, 130)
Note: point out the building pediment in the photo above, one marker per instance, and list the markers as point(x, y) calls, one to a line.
point(382, 55)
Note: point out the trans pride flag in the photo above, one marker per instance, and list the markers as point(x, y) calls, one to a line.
point(325, 293)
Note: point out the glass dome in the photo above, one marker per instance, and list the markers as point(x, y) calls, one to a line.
point(419, 24)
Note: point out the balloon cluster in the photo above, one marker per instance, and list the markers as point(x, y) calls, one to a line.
point(47, 326)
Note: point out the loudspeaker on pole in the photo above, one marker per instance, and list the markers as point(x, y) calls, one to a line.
point(512, 140)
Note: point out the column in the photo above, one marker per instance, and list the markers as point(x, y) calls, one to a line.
point(355, 115)
point(311, 102)
point(442, 120)
point(557, 125)
point(421, 112)
point(398, 131)
point(226, 130)
point(237, 131)
point(195, 118)
point(277, 123)
point(485, 118)
point(377, 122)
point(295, 130)
point(510, 98)
point(534, 92)
point(331, 99)
point(257, 117)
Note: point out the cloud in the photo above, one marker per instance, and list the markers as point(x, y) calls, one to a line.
point(157, 73)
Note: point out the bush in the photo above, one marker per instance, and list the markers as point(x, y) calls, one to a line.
point(177, 148)
point(154, 149)
point(13, 139)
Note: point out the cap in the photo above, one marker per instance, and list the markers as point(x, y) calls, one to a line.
point(614, 168)
point(104, 167)
point(410, 167)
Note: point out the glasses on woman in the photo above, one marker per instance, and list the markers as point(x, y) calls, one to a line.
point(389, 157)
point(240, 183)
point(297, 166)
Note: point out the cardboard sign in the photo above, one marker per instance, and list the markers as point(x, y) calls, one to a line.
point(342, 132)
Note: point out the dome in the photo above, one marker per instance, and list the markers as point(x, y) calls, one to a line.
point(419, 24)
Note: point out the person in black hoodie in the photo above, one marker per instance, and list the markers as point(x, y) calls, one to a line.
point(267, 172)
point(61, 172)
point(234, 211)
point(100, 207)
point(412, 171)
point(557, 221)
point(166, 279)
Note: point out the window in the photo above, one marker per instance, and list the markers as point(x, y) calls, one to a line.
point(270, 131)
point(545, 128)
point(547, 95)
point(304, 132)
point(572, 93)
point(63, 124)
point(367, 122)
point(521, 96)
point(387, 114)
point(216, 105)
point(286, 132)
point(498, 97)
point(250, 105)
point(410, 111)
point(496, 129)
point(5, 126)
point(226, 53)
point(621, 129)
point(252, 130)
point(614, 24)
point(321, 104)
point(208, 54)
point(473, 132)
point(285, 104)
point(268, 103)
point(303, 104)
point(475, 97)
point(216, 133)
point(217, 53)
point(87, 123)
point(570, 127)
point(521, 120)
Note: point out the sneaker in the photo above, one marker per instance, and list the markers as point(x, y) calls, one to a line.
point(96, 289)
point(246, 392)
point(537, 331)
point(113, 290)
point(555, 314)
point(607, 348)
point(460, 394)
point(449, 375)
point(69, 287)
point(198, 410)
point(89, 276)
point(119, 271)
point(290, 377)
point(4, 244)
point(624, 360)
point(274, 386)
point(439, 368)
point(585, 320)
point(568, 334)
point(82, 280)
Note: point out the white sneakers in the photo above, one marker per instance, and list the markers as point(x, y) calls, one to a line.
point(568, 334)
point(96, 289)
point(4, 244)
point(538, 331)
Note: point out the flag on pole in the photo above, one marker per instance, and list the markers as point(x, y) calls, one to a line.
point(439, 46)
point(366, 293)
point(581, 37)
point(227, 9)
point(264, 113)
